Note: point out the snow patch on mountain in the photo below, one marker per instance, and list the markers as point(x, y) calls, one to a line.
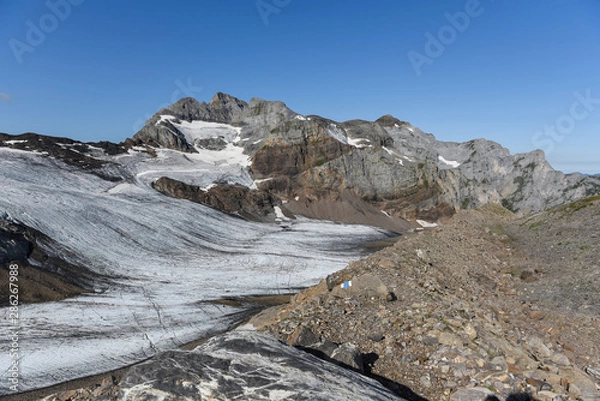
point(453, 164)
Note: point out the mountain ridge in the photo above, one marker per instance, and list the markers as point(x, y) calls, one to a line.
point(300, 154)
point(387, 164)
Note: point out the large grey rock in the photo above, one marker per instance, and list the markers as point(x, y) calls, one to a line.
point(349, 354)
point(246, 365)
point(471, 394)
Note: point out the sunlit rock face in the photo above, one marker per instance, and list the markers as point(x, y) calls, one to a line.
point(387, 163)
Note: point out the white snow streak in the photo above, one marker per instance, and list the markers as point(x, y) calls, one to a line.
point(426, 224)
point(450, 163)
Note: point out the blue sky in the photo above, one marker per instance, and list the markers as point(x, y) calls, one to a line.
point(524, 74)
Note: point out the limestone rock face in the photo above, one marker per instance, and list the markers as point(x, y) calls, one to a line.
point(246, 365)
point(222, 109)
point(388, 163)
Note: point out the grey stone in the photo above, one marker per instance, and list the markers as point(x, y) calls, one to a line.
point(303, 337)
point(560, 359)
point(211, 143)
point(246, 365)
point(349, 355)
point(539, 347)
point(471, 394)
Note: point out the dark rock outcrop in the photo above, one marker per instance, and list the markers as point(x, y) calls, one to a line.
point(89, 157)
point(43, 273)
point(255, 205)
point(246, 365)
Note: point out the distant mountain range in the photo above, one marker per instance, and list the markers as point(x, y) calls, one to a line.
point(308, 162)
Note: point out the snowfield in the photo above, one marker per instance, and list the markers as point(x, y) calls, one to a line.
point(166, 258)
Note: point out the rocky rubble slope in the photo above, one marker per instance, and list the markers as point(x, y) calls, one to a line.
point(487, 303)
point(389, 164)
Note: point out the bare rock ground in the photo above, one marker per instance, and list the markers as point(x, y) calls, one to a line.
point(487, 301)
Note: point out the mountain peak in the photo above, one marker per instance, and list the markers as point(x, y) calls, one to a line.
point(389, 121)
point(224, 98)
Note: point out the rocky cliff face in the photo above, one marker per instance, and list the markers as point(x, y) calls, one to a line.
point(388, 163)
point(232, 199)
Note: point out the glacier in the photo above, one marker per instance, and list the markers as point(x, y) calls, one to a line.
point(164, 259)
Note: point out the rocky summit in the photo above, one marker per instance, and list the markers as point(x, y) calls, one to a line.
point(310, 161)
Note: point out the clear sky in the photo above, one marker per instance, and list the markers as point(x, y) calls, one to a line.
point(523, 73)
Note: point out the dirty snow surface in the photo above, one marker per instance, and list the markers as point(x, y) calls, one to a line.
point(165, 258)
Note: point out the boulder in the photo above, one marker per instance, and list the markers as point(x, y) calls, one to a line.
point(246, 365)
point(348, 355)
point(471, 394)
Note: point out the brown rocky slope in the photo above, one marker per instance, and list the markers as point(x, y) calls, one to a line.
point(486, 303)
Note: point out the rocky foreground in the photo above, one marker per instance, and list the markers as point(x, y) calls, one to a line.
point(486, 305)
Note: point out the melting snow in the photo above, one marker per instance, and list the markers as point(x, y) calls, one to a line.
point(426, 224)
point(254, 185)
point(209, 186)
point(300, 117)
point(166, 257)
point(279, 214)
point(340, 135)
point(15, 141)
point(394, 153)
point(203, 130)
point(337, 133)
point(358, 142)
point(450, 163)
